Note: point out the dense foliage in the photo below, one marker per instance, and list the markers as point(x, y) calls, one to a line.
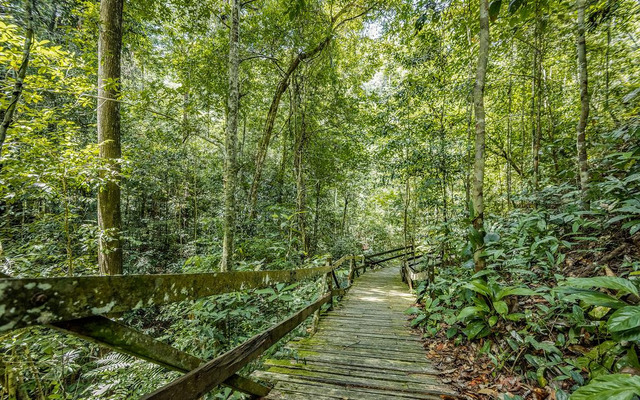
point(371, 146)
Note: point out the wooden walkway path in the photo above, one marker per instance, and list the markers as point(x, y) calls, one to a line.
point(363, 349)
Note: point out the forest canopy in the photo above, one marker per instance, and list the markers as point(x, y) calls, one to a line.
point(501, 137)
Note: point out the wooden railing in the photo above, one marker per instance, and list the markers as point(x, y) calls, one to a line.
point(409, 273)
point(81, 305)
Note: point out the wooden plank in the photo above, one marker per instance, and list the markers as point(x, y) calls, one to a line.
point(206, 377)
point(367, 360)
point(378, 375)
point(35, 301)
point(294, 387)
point(364, 364)
point(362, 383)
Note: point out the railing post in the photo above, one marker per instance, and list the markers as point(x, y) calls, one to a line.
point(327, 286)
point(351, 271)
point(329, 282)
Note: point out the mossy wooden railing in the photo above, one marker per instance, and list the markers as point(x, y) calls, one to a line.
point(409, 273)
point(80, 306)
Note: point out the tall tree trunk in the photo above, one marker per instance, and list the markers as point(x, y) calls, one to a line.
point(7, 115)
point(298, 165)
point(510, 107)
point(265, 140)
point(537, 97)
point(109, 54)
point(231, 139)
point(583, 167)
point(478, 167)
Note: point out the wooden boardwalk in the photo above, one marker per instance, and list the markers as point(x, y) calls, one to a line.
point(363, 349)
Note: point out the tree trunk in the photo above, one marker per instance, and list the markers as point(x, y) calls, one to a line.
point(109, 53)
point(263, 146)
point(298, 165)
point(478, 167)
point(7, 115)
point(583, 167)
point(231, 139)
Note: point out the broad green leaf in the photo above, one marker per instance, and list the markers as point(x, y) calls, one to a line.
point(518, 291)
point(625, 323)
point(494, 9)
point(607, 282)
point(478, 286)
point(501, 307)
point(609, 387)
point(470, 311)
point(594, 298)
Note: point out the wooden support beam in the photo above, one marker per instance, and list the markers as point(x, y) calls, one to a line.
point(37, 301)
point(206, 377)
point(121, 338)
point(376, 262)
point(388, 251)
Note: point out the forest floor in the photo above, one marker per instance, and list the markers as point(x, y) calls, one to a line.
point(476, 376)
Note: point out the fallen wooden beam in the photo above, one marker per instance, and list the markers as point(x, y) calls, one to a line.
point(206, 377)
point(38, 301)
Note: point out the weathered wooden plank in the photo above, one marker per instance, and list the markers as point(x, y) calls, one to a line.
point(303, 369)
point(33, 301)
point(363, 383)
point(367, 360)
point(206, 377)
point(293, 387)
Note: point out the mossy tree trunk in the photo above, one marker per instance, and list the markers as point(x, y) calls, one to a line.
point(581, 142)
point(231, 139)
point(109, 218)
point(478, 166)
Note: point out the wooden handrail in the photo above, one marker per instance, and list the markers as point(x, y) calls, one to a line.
point(389, 251)
point(74, 305)
point(206, 377)
point(376, 262)
point(37, 301)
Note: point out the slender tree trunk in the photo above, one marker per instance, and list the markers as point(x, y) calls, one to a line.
point(607, 77)
point(537, 97)
point(344, 214)
point(583, 167)
point(109, 55)
point(478, 167)
point(509, 143)
point(298, 165)
point(7, 114)
point(265, 140)
point(231, 139)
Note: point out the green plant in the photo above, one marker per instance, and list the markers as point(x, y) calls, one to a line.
point(489, 307)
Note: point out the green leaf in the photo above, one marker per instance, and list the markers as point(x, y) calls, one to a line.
point(494, 9)
point(501, 307)
point(624, 319)
point(593, 298)
point(469, 311)
point(478, 286)
point(412, 310)
point(607, 282)
point(493, 320)
point(517, 291)
point(609, 387)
